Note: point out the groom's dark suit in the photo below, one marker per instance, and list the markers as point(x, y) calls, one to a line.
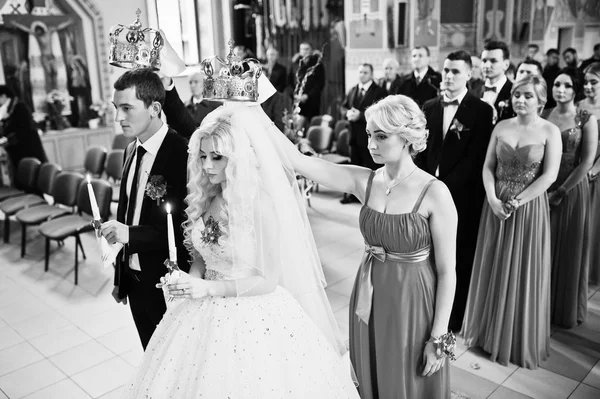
point(504, 97)
point(148, 238)
point(460, 157)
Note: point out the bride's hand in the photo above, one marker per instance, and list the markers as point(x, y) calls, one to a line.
point(188, 287)
point(498, 209)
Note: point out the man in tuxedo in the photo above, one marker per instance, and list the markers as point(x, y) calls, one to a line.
point(276, 72)
point(359, 98)
point(497, 87)
point(551, 71)
point(197, 105)
point(391, 80)
point(158, 153)
point(18, 131)
point(460, 126)
point(423, 83)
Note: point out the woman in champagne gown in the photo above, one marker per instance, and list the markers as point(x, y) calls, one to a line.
point(403, 294)
point(569, 198)
point(591, 104)
point(251, 320)
point(508, 308)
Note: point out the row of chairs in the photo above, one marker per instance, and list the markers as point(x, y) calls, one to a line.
point(67, 215)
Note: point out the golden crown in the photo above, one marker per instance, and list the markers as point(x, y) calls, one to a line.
point(136, 47)
point(237, 79)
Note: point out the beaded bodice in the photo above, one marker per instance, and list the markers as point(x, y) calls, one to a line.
point(571, 140)
point(217, 256)
point(517, 168)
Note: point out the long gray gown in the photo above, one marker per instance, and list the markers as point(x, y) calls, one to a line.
point(395, 292)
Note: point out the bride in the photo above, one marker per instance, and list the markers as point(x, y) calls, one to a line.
point(254, 321)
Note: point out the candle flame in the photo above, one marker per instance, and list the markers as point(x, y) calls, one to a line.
point(168, 206)
point(89, 179)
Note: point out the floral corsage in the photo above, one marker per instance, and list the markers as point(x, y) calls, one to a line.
point(444, 345)
point(212, 232)
point(457, 127)
point(502, 105)
point(156, 188)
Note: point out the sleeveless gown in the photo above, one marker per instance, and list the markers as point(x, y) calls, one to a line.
point(508, 308)
point(570, 236)
point(262, 346)
point(595, 223)
point(395, 292)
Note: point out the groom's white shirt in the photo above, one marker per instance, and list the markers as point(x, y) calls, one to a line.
point(152, 145)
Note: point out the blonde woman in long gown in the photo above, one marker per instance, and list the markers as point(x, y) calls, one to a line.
point(508, 309)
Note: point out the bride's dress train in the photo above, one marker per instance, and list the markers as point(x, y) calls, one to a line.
point(262, 346)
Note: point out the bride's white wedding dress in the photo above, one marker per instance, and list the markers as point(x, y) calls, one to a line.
point(262, 346)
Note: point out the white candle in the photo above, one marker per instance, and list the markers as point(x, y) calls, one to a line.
point(171, 235)
point(93, 202)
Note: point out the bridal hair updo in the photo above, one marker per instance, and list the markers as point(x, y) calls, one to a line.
point(539, 87)
point(402, 116)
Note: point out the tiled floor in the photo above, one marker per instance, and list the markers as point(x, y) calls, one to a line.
point(58, 340)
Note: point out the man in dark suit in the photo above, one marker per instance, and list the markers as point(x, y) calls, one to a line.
point(497, 87)
point(460, 126)
point(157, 156)
point(18, 131)
point(392, 80)
point(551, 71)
point(276, 72)
point(198, 106)
point(359, 98)
point(423, 83)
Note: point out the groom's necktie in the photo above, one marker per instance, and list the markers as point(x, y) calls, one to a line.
point(134, 186)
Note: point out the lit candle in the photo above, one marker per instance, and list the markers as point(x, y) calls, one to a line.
point(171, 235)
point(93, 202)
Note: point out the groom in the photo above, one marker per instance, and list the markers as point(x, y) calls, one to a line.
point(460, 126)
point(157, 159)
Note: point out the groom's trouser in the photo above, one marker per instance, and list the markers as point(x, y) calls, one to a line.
point(147, 304)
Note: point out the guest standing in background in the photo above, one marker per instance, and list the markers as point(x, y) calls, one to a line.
point(18, 131)
point(508, 309)
point(309, 86)
point(459, 127)
point(569, 197)
point(496, 90)
point(529, 67)
point(594, 58)
point(550, 73)
point(391, 80)
point(198, 106)
point(276, 72)
point(402, 297)
point(476, 82)
point(571, 58)
point(591, 104)
point(423, 83)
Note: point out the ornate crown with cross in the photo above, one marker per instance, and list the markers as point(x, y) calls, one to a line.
point(236, 80)
point(134, 47)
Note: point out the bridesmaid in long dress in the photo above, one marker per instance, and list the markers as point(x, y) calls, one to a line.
point(508, 309)
point(591, 104)
point(569, 198)
point(401, 302)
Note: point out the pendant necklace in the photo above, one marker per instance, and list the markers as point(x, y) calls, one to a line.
point(389, 187)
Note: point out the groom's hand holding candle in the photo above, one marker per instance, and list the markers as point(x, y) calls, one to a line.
point(115, 232)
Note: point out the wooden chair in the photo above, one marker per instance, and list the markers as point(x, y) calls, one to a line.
point(75, 224)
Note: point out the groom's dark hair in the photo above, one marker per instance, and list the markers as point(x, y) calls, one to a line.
point(148, 86)
point(460, 55)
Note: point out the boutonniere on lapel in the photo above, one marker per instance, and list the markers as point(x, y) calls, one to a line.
point(457, 127)
point(502, 105)
point(156, 188)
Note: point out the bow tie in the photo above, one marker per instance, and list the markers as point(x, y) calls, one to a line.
point(446, 103)
point(489, 88)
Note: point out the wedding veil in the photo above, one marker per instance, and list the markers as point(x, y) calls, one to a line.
point(267, 225)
